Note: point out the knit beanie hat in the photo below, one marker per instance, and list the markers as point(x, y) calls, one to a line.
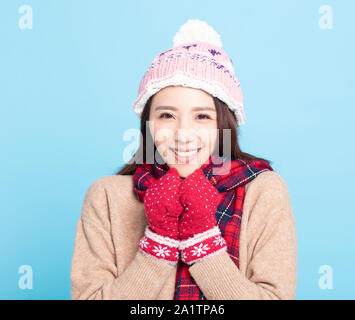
point(196, 60)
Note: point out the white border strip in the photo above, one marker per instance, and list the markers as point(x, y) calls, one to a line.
point(199, 237)
point(163, 240)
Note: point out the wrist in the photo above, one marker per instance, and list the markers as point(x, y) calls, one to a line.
point(202, 245)
point(160, 247)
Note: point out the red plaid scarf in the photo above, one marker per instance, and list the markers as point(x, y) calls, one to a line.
point(236, 173)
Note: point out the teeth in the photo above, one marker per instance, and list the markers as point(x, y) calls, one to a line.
point(185, 154)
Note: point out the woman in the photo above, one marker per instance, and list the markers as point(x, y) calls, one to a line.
point(192, 216)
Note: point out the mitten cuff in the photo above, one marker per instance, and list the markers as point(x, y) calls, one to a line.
point(159, 247)
point(202, 245)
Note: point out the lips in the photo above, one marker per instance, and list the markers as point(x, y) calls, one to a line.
point(187, 150)
point(185, 154)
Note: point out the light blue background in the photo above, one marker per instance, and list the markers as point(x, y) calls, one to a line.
point(66, 92)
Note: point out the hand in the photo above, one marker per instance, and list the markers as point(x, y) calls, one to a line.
point(162, 204)
point(198, 230)
point(200, 199)
point(163, 209)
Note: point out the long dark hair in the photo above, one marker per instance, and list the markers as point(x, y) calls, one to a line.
point(225, 120)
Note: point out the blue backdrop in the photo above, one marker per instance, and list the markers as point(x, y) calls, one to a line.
point(69, 73)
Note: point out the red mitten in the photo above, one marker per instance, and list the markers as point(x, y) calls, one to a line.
point(163, 209)
point(198, 231)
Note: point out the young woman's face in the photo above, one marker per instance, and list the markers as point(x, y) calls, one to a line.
point(183, 119)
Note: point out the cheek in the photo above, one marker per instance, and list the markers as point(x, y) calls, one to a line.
point(162, 134)
point(209, 138)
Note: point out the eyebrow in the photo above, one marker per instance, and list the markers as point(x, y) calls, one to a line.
point(203, 108)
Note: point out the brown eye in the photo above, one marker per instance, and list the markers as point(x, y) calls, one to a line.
point(162, 115)
point(204, 115)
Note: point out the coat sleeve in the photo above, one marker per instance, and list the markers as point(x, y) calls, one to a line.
point(271, 271)
point(94, 273)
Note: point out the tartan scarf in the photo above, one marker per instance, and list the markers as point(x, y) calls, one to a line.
point(231, 183)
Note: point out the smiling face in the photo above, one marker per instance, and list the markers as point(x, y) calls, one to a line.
point(183, 119)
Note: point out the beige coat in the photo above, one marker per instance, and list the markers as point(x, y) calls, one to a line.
point(106, 262)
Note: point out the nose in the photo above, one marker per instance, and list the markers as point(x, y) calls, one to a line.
point(184, 134)
point(183, 138)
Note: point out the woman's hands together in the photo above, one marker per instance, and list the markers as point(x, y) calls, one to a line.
point(181, 217)
point(199, 234)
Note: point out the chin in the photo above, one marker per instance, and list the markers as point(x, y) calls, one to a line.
point(187, 168)
point(184, 170)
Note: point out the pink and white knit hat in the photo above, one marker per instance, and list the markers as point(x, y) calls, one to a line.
point(196, 60)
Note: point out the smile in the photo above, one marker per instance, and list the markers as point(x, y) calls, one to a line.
point(182, 154)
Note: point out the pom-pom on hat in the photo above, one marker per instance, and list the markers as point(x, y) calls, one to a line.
point(196, 60)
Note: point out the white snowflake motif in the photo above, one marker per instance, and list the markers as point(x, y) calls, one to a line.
point(160, 251)
point(219, 241)
point(144, 243)
point(201, 249)
point(183, 256)
point(177, 253)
